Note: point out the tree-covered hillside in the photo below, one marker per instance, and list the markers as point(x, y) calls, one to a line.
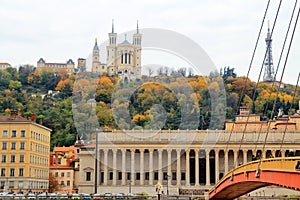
point(159, 102)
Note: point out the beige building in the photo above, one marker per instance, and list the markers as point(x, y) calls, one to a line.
point(25, 148)
point(183, 161)
point(4, 65)
point(123, 59)
point(246, 122)
point(69, 66)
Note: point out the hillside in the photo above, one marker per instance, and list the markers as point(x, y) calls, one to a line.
point(160, 102)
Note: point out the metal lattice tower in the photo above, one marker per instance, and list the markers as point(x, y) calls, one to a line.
point(269, 69)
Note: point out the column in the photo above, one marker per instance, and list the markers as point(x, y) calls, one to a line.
point(160, 175)
point(245, 156)
point(207, 167)
point(197, 166)
point(142, 167)
point(264, 153)
point(226, 160)
point(235, 158)
point(187, 167)
point(273, 152)
point(105, 166)
point(151, 175)
point(217, 165)
point(169, 178)
point(282, 153)
point(132, 176)
point(123, 166)
point(178, 169)
point(114, 166)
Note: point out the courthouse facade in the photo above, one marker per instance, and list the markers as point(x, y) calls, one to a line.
point(183, 161)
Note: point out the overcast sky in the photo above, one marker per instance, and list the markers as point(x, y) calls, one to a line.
point(61, 29)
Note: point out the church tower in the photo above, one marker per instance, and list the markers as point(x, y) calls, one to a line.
point(137, 43)
point(96, 58)
point(111, 51)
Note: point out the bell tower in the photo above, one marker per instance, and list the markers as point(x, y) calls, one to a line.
point(112, 50)
point(137, 44)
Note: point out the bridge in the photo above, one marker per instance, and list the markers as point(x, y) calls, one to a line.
point(283, 172)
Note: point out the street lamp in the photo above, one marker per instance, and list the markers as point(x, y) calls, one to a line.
point(129, 186)
point(96, 164)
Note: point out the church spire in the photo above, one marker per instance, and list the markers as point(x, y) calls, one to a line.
point(112, 27)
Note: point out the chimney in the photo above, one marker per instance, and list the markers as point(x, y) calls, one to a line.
point(19, 112)
point(41, 122)
point(33, 117)
point(13, 114)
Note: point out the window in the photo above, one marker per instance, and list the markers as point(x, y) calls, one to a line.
point(88, 176)
point(56, 174)
point(21, 172)
point(2, 184)
point(11, 184)
point(174, 176)
point(111, 175)
point(3, 158)
point(128, 176)
point(147, 176)
point(13, 146)
point(22, 145)
point(62, 174)
point(4, 145)
point(120, 176)
point(165, 175)
point(155, 175)
point(23, 133)
point(4, 133)
point(68, 174)
point(62, 183)
point(21, 158)
point(13, 133)
point(138, 176)
point(12, 158)
point(68, 183)
point(182, 176)
point(20, 184)
point(12, 171)
point(3, 171)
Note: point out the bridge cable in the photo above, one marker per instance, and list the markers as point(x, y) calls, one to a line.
point(291, 106)
point(283, 70)
point(277, 68)
point(256, 85)
point(250, 65)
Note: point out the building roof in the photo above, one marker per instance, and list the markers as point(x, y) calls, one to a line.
point(65, 149)
point(19, 119)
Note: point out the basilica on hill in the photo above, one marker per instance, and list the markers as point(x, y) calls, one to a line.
point(123, 59)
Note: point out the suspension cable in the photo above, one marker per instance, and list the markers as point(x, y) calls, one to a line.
point(256, 85)
point(277, 68)
point(291, 106)
point(250, 65)
point(283, 70)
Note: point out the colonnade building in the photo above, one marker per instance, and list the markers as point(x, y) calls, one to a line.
point(183, 161)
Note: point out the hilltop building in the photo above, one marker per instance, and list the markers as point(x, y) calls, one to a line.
point(123, 59)
point(4, 65)
point(64, 166)
point(25, 148)
point(69, 66)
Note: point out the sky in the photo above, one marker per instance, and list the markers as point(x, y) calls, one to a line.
point(57, 30)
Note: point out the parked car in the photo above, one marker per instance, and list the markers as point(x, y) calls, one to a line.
point(42, 196)
point(31, 196)
point(63, 196)
point(20, 196)
point(86, 196)
point(108, 196)
point(75, 197)
point(53, 196)
point(120, 196)
point(98, 196)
